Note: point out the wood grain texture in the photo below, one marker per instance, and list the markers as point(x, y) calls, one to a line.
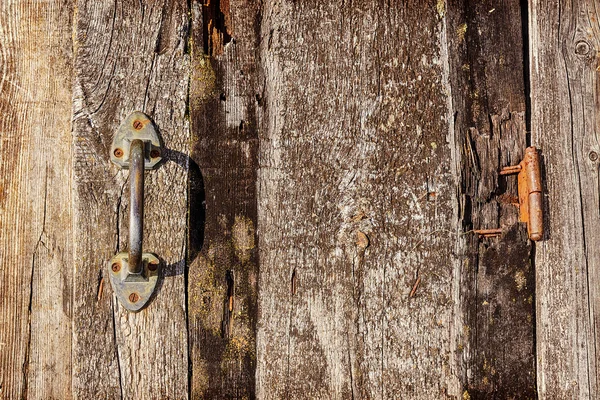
point(489, 88)
point(356, 202)
point(382, 126)
point(129, 56)
point(35, 201)
point(223, 253)
point(564, 45)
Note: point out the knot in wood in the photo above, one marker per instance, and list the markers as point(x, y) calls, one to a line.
point(582, 48)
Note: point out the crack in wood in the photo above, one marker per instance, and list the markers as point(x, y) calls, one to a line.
point(25, 368)
point(116, 348)
point(228, 303)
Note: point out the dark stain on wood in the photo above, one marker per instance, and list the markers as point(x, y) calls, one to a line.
point(487, 53)
point(223, 274)
point(504, 305)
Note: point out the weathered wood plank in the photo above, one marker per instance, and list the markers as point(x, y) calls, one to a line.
point(356, 203)
point(564, 43)
point(129, 56)
point(488, 87)
point(35, 200)
point(223, 277)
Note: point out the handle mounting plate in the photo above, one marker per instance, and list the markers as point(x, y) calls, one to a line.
point(137, 126)
point(133, 290)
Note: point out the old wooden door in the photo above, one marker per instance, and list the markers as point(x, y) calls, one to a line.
point(326, 165)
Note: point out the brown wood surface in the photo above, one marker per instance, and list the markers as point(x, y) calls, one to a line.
point(129, 56)
point(564, 45)
point(223, 253)
point(489, 102)
point(35, 193)
point(326, 163)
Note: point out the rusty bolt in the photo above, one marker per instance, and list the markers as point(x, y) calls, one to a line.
point(593, 156)
point(137, 125)
point(155, 153)
point(153, 266)
point(118, 153)
point(134, 297)
point(116, 267)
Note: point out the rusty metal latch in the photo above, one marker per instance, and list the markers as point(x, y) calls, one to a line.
point(530, 195)
point(134, 274)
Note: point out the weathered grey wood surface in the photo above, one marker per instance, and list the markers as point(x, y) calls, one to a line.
point(35, 192)
point(346, 149)
point(489, 104)
point(129, 56)
point(356, 202)
point(222, 251)
point(564, 45)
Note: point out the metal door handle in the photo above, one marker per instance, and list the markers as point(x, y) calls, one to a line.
point(134, 274)
point(136, 205)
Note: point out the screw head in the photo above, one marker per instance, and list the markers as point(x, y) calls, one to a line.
point(118, 153)
point(155, 153)
point(137, 125)
point(116, 267)
point(593, 156)
point(134, 297)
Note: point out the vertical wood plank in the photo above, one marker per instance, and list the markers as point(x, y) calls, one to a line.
point(129, 56)
point(488, 87)
point(356, 203)
point(35, 201)
point(564, 46)
point(223, 253)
